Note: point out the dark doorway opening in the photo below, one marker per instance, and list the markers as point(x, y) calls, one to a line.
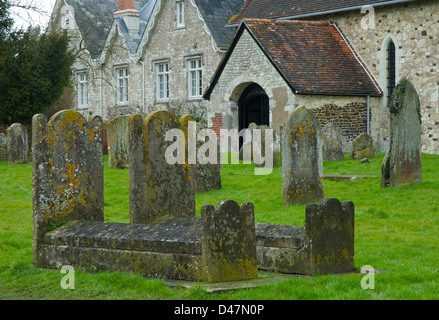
point(253, 107)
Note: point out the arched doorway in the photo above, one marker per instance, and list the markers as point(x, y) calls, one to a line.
point(253, 107)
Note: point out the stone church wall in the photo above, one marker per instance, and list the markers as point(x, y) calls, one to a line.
point(413, 28)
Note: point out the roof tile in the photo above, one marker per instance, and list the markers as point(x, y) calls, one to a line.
point(313, 56)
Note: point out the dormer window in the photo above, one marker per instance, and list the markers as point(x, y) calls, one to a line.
point(180, 6)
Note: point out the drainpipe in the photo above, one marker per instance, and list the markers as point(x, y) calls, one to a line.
point(368, 115)
point(100, 94)
point(143, 86)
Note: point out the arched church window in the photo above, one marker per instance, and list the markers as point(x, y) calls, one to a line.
point(391, 69)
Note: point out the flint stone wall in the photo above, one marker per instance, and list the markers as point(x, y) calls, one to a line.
point(18, 145)
point(402, 164)
point(349, 119)
point(67, 173)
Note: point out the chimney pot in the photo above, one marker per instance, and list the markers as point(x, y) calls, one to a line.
point(126, 9)
point(126, 5)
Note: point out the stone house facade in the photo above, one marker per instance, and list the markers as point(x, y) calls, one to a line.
point(280, 65)
point(144, 55)
point(395, 39)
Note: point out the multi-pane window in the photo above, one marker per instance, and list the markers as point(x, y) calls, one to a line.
point(122, 85)
point(162, 81)
point(180, 13)
point(195, 78)
point(82, 78)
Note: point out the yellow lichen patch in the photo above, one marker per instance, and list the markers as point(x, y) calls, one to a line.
point(71, 115)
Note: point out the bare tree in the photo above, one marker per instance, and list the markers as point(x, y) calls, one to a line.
point(29, 12)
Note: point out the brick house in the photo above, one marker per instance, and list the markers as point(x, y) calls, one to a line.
point(395, 39)
point(272, 67)
point(145, 55)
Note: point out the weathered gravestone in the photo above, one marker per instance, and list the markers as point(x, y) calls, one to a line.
point(262, 148)
point(253, 147)
point(117, 139)
point(3, 147)
point(229, 242)
point(18, 147)
point(324, 245)
point(157, 188)
point(207, 175)
point(402, 164)
point(205, 167)
point(302, 160)
point(67, 174)
point(332, 144)
point(246, 151)
point(362, 147)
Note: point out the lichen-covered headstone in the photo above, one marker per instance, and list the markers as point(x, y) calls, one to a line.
point(3, 147)
point(117, 139)
point(362, 147)
point(157, 188)
point(332, 144)
point(402, 164)
point(329, 234)
point(302, 160)
point(208, 175)
point(68, 172)
point(259, 150)
point(229, 242)
point(18, 147)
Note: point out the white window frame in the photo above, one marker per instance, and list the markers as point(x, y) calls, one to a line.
point(122, 81)
point(82, 89)
point(162, 72)
point(180, 14)
point(195, 78)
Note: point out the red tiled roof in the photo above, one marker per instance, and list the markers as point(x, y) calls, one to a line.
point(269, 9)
point(313, 56)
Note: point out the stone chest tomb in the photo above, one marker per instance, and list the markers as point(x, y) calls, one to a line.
point(224, 244)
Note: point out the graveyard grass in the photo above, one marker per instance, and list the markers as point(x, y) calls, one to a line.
point(396, 230)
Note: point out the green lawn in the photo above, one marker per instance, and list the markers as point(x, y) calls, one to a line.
point(395, 230)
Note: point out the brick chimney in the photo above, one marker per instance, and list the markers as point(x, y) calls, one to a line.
point(126, 9)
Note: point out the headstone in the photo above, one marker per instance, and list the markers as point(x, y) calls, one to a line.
point(259, 153)
point(207, 176)
point(157, 188)
point(229, 242)
point(117, 139)
point(3, 147)
point(68, 174)
point(362, 147)
point(246, 151)
point(18, 147)
point(332, 144)
point(302, 160)
point(402, 164)
point(329, 234)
